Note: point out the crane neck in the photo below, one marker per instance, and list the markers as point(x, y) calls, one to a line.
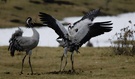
point(35, 34)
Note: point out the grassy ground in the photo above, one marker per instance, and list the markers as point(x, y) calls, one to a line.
point(14, 12)
point(91, 63)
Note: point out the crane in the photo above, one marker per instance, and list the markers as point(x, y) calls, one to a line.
point(78, 34)
point(22, 43)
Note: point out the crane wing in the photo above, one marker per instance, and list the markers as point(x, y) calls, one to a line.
point(24, 41)
point(86, 19)
point(99, 28)
point(54, 24)
point(90, 15)
point(87, 32)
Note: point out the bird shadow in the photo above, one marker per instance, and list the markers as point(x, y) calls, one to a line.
point(56, 72)
point(49, 73)
point(69, 72)
point(64, 72)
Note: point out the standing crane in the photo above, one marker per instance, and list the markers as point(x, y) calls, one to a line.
point(78, 34)
point(22, 43)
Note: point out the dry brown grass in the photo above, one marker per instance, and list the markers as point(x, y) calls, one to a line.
point(20, 10)
point(91, 63)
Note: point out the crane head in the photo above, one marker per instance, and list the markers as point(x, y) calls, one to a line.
point(29, 22)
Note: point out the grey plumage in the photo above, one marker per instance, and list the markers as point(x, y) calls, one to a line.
point(14, 45)
point(76, 35)
point(21, 43)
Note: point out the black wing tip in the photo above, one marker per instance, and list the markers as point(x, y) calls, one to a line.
point(106, 23)
point(42, 14)
point(46, 18)
point(91, 14)
point(107, 29)
point(105, 26)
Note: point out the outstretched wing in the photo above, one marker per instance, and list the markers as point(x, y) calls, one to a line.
point(84, 21)
point(90, 15)
point(87, 32)
point(54, 24)
point(99, 28)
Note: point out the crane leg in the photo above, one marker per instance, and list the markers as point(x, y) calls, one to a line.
point(64, 55)
point(30, 52)
point(30, 65)
point(23, 63)
point(65, 62)
point(61, 62)
point(72, 62)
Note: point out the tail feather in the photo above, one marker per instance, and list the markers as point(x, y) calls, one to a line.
point(11, 49)
point(12, 52)
point(13, 44)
